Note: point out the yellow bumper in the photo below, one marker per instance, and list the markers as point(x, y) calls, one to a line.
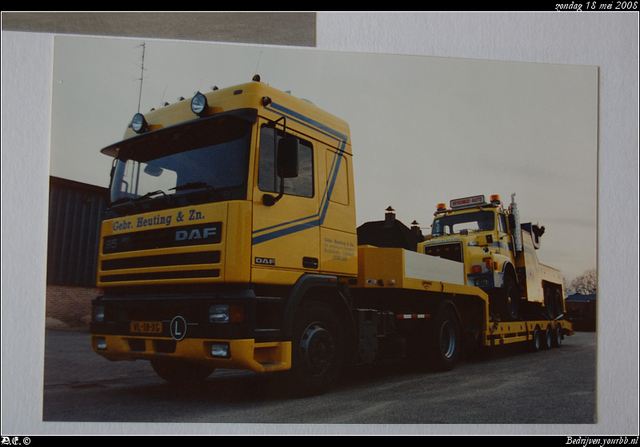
point(243, 354)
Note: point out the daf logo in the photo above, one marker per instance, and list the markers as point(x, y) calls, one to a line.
point(204, 233)
point(178, 328)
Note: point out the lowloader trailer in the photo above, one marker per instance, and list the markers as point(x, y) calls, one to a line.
point(231, 242)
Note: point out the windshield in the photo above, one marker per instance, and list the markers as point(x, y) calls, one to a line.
point(454, 223)
point(203, 156)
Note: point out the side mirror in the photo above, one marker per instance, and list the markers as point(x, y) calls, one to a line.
point(287, 161)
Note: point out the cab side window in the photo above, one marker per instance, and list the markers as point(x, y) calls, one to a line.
point(502, 222)
point(268, 179)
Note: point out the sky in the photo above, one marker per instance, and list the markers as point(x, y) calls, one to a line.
point(424, 130)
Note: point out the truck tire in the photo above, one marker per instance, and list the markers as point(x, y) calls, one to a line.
point(318, 349)
point(506, 300)
point(557, 337)
point(444, 341)
point(548, 335)
point(550, 301)
point(535, 344)
point(181, 372)
point(559, 302)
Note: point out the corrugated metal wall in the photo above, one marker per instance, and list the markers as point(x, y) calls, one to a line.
point(75, 212)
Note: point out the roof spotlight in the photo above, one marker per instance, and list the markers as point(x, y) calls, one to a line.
point(139, 124)
point(199, 103)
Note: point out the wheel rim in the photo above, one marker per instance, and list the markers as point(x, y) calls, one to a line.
point(512, 305)
point(317, 349)
point(549, 303)
point(447, 339)
point(559, 335)
point(512, 300)
point(536, 339)
point(559, 304)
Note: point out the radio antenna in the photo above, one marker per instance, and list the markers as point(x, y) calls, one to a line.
point(141, 74)
point(259, 57)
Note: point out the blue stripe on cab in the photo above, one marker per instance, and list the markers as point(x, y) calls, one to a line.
point(317, 219)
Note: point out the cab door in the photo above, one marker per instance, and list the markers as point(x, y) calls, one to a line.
point(285, 233)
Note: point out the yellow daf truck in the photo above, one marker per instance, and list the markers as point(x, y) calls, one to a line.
point(499, 256)
point(230, 241)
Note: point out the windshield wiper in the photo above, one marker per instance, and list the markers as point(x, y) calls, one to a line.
point(134, 201)
point(149, 194)
point(192, 185)
point(121, 200)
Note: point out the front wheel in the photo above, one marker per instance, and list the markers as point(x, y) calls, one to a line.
point(318, 349)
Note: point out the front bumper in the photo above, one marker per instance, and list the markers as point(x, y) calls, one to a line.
point(242, 354)
point(178, 325)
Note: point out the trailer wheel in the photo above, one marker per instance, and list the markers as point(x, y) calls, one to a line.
point(318, 349)
point(536, 340)
point(548, 337)
point(557, 338)
point(444, 342)
point(181, 372)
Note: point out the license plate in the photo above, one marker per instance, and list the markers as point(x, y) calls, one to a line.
point(146, 327)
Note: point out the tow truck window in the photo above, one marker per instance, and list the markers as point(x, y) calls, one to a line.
point(453, 224)
point(268, 179)
point(502, 223)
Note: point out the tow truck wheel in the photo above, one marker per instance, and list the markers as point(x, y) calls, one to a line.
point(181, 372)
point(558, 302)
point(550, 301)
point(318, 349)
point(508, 299)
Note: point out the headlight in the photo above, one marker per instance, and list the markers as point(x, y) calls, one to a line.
point(219, 313)
point(226, 313)
point(98, 314)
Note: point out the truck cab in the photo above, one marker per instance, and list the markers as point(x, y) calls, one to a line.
point(478, 234)
point(220, 207)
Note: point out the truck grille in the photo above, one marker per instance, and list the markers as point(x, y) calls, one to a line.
point(210, 233)
point(114, 265)
point(146, 267)
point(205, 257)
